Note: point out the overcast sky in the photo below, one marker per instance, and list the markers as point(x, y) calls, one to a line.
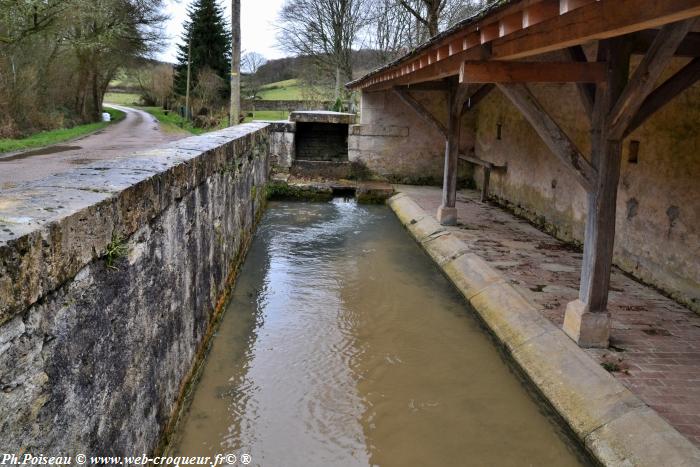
point(257, 31)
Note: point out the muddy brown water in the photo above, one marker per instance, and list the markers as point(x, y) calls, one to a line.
point(344, 345)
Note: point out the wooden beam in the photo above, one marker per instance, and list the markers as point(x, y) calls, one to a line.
point(463, 92)
point(553, 136)
point(485, 185)
point(478, 161)
point(531, 72)
point(675, 85)
point(646, 75)
point(606, 155)
point(477, 97)
point(438, 85)
point(587, 320)
point(447, 212)
point(689, 47)
point(594, 21)
point(443, 69)
point(597, 20)
point(428, 117)
point(586, 91)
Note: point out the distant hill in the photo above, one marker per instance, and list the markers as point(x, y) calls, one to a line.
point(283, 69)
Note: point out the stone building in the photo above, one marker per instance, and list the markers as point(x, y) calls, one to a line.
point(584, 117)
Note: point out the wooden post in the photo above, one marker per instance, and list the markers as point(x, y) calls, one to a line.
point(447, 212)
point(587, 320)
point(485, 187)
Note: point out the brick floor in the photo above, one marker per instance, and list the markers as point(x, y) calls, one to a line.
point(655, 342)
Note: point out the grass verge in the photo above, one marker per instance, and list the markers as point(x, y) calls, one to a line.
point(47, 138)
point(268, 115)
point(171, 122)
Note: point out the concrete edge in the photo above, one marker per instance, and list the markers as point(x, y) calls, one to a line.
point(613, 425)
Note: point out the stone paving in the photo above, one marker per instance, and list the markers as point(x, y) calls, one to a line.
point(655, 342)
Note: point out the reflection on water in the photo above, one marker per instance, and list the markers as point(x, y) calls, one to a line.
point(343, 345)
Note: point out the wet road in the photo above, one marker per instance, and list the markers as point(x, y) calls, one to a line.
point(139, 130)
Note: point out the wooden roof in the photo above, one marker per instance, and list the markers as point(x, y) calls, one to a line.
point(515, 29)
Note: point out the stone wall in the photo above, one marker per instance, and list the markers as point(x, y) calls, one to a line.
point(111, 277)
point(658, 210)
point(287, 106)
point(393, 141)
point(282, 144)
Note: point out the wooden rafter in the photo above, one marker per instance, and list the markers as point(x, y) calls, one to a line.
point(586, 91)
point(553, 136)
point(673, 86)
point(477, 97)
point(689, 47)
point(426, 115)
point(531, 72)
point(546, 31)
point(439, 85)
point(646, 75)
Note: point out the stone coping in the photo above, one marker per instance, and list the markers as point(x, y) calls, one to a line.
point(51, 228)
point(613, 424)
point(322, 116)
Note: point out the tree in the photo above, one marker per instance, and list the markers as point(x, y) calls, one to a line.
point(325, 30)
point(211, 44)
point(58, 56)
point(432, 16)
point(155, 83)
point(250, 64)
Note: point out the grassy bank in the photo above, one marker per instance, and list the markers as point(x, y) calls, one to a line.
point(289, 90)
point(268, 115)
point(122, 98)
point(47, 138)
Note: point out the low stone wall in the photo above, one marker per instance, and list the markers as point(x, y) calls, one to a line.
point(111, 278)
point(287, 106)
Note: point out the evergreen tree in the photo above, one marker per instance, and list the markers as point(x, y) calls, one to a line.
point(211, 44)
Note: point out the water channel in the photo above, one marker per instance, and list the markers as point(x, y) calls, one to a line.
point(343, 345)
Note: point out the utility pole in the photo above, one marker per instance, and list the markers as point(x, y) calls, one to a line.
point(189, 68)
point(235, 61)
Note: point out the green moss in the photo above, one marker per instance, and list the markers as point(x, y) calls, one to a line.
point(115, 250)
point(359, 171)
point(283, 191)
point(371, 197)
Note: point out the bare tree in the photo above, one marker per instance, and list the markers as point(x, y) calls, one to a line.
point(390, 30)
point(432, 16)
point(250, 64)
point(325, 30)
point(58, 56)
point(155, 83)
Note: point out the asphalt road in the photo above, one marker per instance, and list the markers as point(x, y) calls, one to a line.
point(139, 130)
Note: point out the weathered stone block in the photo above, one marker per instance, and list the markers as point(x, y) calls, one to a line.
point(587, 329)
